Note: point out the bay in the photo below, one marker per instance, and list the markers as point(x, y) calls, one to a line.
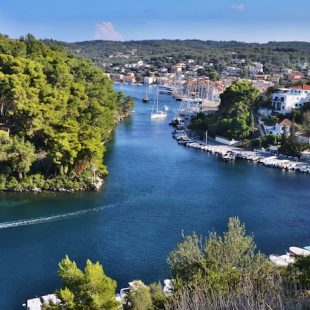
point(156, 189)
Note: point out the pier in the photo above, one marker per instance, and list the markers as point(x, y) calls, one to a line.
point(231, 153)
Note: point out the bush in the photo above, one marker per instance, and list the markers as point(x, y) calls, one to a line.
point(226, 272)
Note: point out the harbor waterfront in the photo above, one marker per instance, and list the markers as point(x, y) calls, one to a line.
point(154, 191)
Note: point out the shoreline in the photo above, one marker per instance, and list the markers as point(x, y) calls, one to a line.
point(100, 181)
point(94, 188)
point(231, 153)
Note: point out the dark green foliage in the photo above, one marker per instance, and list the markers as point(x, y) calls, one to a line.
point(139, 297)
point(89, 289)
point(289, 144)
point(58, 109)
point(226, 272)
point(303, 266)
point(168, 52)
point(158, 296)
point(234, 119)
point(306, 122)
point(201, 123)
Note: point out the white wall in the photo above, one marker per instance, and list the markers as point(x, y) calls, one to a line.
point(225, 141)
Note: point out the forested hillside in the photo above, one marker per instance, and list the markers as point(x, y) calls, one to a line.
point(56, 112)
point(272, 54)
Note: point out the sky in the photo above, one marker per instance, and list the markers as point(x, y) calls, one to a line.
point(80, 20)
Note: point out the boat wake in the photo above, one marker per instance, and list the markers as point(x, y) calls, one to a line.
point(52, 218)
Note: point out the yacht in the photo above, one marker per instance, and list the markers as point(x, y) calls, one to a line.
point(156, 113)
point(146, 99)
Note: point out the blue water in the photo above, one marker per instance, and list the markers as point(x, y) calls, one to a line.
point(155, 190)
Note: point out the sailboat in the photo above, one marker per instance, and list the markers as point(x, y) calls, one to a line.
point(146, 98)
point(156, 113)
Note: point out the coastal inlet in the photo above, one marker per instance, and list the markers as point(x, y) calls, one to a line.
point(155, 190)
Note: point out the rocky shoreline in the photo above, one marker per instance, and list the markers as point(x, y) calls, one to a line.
point(94, 187)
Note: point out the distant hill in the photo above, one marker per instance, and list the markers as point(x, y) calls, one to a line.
point(289, 54)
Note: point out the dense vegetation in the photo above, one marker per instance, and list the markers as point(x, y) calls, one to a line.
point(235, 117)
point(56, 113)
point(220, 53)
point(225, 272)
point(220, 272)
point(88, 289)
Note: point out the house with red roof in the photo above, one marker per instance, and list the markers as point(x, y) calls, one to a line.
point(280, 126)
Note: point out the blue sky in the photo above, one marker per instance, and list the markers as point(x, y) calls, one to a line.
point(76, 20)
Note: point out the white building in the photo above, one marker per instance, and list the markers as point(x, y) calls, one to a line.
point(39, 302)
point(231, 71)
point(149, 80)
point(256, 68)
point(279, 127)
point(286, 99)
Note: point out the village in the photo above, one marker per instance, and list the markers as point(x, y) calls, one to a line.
point(283, 91)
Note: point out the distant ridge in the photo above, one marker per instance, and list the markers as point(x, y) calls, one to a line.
point(274, 54)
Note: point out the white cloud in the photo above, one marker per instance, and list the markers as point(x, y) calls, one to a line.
point(106, 31)
point(238, 7)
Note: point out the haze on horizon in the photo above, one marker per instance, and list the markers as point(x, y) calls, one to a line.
point(240, 20)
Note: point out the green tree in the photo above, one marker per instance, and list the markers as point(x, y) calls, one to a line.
point(57, 106)
point(289, 144)
point(214, 75)
point(157, 295)
point(223, 272)
point(90, 289)
point(235, 117)
point(139, 297)
point(306, 122)
point(21, 154)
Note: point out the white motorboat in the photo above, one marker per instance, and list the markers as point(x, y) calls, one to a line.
point(166, 108)
point(281, 260)
point(158, 115)
point(299, 251)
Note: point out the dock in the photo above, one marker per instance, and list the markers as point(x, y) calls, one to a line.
point(230, 152)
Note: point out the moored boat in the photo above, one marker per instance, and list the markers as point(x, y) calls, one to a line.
point(299, 251)
point(156, 113)
point(146, 98)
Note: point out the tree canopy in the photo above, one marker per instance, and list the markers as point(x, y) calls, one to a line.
point(58, 109)
point(90, 289)
point(235, 117)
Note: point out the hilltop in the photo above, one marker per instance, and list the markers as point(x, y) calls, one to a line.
point(288, 54)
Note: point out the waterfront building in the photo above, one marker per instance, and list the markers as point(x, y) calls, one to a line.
point(286, 99)
point(279, 127)
point(149, 80)
point(129, 78)
point(39, 302)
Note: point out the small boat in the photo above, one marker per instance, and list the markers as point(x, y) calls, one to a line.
point(146, 99)
point(156, 113)
point(281, 260)
point(159, 115)
point(166, 108)
point(299, 251)
point(229, 156)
